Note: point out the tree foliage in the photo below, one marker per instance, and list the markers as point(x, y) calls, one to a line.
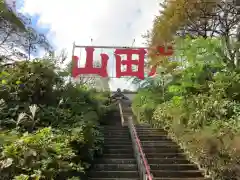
point(50, 128)
point(194, 95)
point(198, 105)
point(197, 18)
point(8, 16)
point(18, 40)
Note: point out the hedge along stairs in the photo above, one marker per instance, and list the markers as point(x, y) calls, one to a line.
point(117, 161)
point(165, 158)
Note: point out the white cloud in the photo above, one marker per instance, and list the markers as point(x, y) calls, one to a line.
point(107, 22)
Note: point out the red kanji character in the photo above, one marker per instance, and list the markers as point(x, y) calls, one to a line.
point(89, 69)
point(75, 68)
point(129, 62)
point(161, 51)
point(165, 51)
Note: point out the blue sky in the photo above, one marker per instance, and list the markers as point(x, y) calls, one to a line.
point(107, 22)
point(35, 19)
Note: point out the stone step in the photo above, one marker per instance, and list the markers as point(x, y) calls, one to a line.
point(111, 135)
point(113, 174)
point(117, 133)
point(116, 129)
point(179, 178)
point(116, 125)
point(143, 125)
point(118, 151)
point(117, 142)
point(118, 156)
point(151, 134)
point(117, 139)
point(161, 146)
point(113, 126)
point(178, 174)
point(161, 150)
point(173, 167)
point(125, 124)
point(121, 138)
point(110, 125)
point(164, 155)
point(113, 178)
point(168, 161)
point(115, 167)
point(152, 138)
point(117, 146)
point(149, 129)
point(158, 143)
point(127, 110)
point(116, 161)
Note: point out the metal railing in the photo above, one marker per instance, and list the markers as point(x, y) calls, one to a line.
point(121, 113)
point(143, 167)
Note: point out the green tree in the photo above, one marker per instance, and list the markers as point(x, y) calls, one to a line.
point(199, 106)
point(197, 18)
point(17, 39)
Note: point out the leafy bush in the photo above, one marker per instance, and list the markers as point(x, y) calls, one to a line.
point(42, 154)
point(38, 79)
point(50, 129)
point(206, 133)
point(200, 107)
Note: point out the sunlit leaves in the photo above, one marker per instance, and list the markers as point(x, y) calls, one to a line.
point(174, 15)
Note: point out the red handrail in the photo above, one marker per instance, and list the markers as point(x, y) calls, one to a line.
point(149, 176)
point(141, 152)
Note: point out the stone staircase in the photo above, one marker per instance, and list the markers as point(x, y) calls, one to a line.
point(165, 158)
point(117, 162)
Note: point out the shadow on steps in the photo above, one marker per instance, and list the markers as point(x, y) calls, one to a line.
point(107, 122)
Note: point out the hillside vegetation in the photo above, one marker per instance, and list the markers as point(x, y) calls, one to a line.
point(49, 128)
point(195, 95)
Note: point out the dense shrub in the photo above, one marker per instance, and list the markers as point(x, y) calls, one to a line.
point(50, 129)
point(43, 152)
point(203, 128)
point(200, 107)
